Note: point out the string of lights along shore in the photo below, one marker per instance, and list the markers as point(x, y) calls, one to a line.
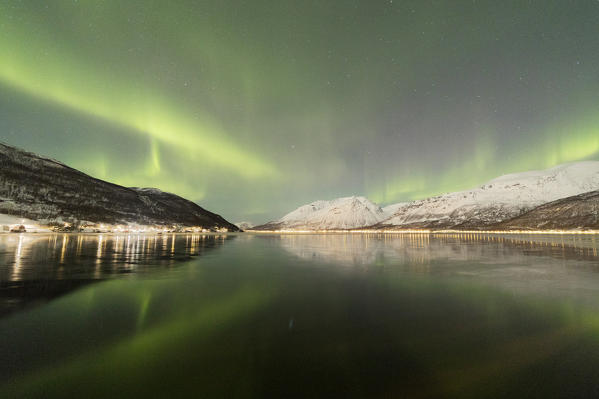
point(253, 107)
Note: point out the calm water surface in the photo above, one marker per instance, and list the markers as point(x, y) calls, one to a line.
point(245, 315)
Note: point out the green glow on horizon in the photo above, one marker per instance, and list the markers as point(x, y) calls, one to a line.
point(560, 146)
point(573, 144)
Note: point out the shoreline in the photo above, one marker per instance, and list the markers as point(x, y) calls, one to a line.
point(429, 232)
point(421, 232)
point(113, 233)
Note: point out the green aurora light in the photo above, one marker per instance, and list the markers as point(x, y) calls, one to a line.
point(253, 109)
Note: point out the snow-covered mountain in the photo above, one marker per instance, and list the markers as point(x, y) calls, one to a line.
point(340, 213)
point(498, 200)
point(47, 191)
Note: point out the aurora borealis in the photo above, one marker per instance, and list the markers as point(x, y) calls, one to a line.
point(251, 108)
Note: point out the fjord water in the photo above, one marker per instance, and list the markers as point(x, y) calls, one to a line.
point(330, 315)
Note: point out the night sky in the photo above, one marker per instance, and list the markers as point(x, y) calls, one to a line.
point(252, 108)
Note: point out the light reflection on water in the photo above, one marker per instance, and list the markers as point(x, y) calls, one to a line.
point(460, 315)
point(28, 256)
point(35, 268)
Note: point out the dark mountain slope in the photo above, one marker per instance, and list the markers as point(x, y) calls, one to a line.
point(576, 212)
point(43, 189)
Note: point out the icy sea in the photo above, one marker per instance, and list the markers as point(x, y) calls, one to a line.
point(299, 316)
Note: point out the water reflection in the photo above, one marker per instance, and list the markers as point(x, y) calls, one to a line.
point(368, 249)
point(556, 266)
point(39, 267)
point(284, 316)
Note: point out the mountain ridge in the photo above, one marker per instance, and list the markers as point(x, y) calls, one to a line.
point(43, 189)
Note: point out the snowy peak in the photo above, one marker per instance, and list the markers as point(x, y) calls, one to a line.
point(340, 213)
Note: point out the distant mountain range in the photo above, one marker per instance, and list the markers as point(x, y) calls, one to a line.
point(48, 191)
point(515, 201)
